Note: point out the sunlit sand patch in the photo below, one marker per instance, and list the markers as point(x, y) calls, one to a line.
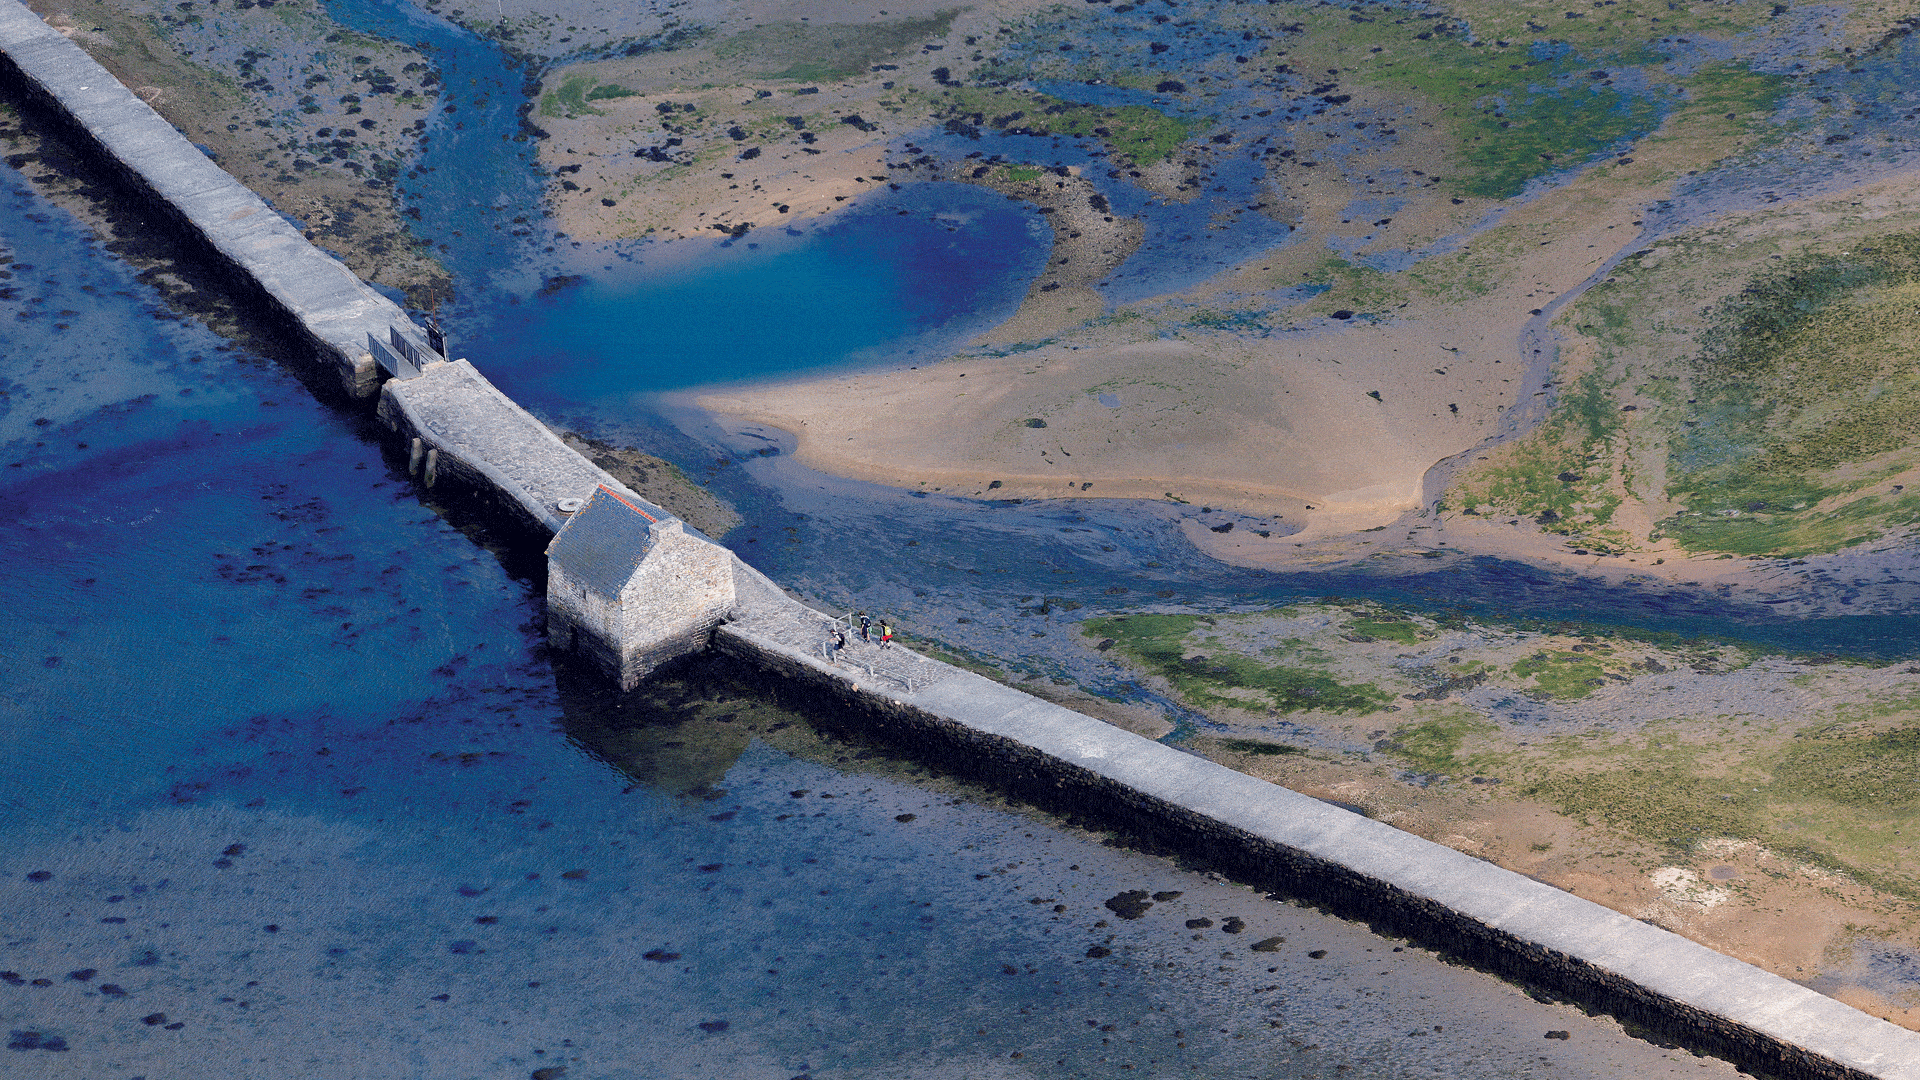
point(1683, 886)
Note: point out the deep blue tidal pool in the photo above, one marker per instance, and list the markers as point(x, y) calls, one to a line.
point(292, 789)
point(899, 275)
point(894, 275)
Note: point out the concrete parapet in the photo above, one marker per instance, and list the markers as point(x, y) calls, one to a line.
point(332, 307)
point(1272, 836)
point(493, 445)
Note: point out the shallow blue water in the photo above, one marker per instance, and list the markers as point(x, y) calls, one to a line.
point(893, 276)
point(292, 790)
point(192, 540)
point(479, 169)
point(902, 275)
point(911, 273)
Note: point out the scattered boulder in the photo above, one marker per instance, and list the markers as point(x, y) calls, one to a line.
point(1131, 904)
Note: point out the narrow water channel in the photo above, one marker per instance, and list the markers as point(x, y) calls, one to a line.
point(588, 337)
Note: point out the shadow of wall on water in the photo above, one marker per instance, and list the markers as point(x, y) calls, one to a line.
point(682, 732)
point(193, 279)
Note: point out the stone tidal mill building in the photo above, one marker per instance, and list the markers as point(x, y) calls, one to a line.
point(630, 589)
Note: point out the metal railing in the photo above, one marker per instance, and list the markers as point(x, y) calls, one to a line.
point(401, 356)
point(849, 621)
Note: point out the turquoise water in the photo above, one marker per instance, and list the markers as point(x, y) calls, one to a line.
point(898, 277)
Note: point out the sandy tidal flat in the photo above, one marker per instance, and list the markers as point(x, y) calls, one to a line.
point(1759, 804)
point(1297, 378)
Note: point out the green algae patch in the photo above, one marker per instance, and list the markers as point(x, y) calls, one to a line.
point(570, 99)
point(1750, 399)
point(1879, 771)
point(1563, 475)
point(1527, 127)
point(1351, 286)
point(1436, 745)
point(1807, 386)
point(1225, 679)
point(1751, 96)
point(828, 52)
point(1137, 133)
point(1515, 111)
point(1737, 532)
point(1389, 628)
point(1562, 674)
point(1829, 799)
point(1662, 803)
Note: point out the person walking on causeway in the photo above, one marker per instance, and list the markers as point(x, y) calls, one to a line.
point(886, 634)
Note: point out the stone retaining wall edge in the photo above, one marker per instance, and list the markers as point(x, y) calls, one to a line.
point(1269, 836)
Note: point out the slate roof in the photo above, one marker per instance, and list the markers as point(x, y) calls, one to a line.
point(603, 543)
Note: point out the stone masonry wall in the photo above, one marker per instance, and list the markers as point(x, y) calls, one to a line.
point(669, 609)
point(582, 622)
point(683, 588)
point(1175, 828)
point(319, 297)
